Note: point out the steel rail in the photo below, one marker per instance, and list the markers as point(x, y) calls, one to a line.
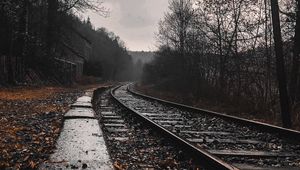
point(201, 156)
point(289, 133)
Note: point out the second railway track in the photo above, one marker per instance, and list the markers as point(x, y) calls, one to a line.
point(219, 141)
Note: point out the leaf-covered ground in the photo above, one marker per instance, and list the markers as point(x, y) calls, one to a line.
point(30, 122)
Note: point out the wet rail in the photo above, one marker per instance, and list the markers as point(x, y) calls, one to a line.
point(132, 144)
point(220, 141)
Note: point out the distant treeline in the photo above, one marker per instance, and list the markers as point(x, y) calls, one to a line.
point(140, 58)
point(225, 51)
point(44, 41)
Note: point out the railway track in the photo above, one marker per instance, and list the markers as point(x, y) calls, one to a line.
point(131, 144)
point(217, 141)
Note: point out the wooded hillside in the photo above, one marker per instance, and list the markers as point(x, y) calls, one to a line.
point(241, 51)
point(45, 42)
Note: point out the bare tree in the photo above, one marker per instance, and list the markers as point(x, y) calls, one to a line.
point(294, 83)
point(174, 28)
point(281, 75)
point(83, 5)
point(229, 47)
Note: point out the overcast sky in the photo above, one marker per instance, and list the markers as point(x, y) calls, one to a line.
point(134, 21)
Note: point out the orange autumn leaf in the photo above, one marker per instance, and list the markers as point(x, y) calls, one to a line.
point(32, 164)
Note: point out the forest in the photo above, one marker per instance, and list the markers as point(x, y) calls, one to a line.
point(243, 52)
point(45, 42)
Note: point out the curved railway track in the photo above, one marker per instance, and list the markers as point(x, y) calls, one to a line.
point(216, 140)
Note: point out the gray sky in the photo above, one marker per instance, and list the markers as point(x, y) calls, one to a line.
point(134, 21)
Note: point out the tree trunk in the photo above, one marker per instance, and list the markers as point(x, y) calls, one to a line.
point(52, 26)
point(10, 70)
point(282, 85)
point(222, 57)
point(268, 56)
point(296, 52)
point(21, 47)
